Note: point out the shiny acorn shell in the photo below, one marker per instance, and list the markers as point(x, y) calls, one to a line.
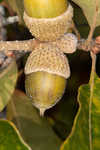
point(45, 8)
point(44, 89)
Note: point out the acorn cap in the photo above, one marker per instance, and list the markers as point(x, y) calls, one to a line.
point(49, 29)
point(67, 43)
point(48, 58)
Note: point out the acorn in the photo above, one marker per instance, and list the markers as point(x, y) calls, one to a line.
point(47, 20)
point(46, 72)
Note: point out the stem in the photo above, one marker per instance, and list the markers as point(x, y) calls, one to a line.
point(94, 23)
point(27, 45)
point(93, 56)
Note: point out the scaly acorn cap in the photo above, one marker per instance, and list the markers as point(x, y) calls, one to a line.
point(67, 43)
point(46, 72)
point(46, 57)
point(49, 29)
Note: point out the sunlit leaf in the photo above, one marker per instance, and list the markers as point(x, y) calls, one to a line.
point(10, 138)
point(85, 133)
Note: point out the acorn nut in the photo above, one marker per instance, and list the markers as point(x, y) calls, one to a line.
point(50, 25)
point(45, 8)
point(46, 72)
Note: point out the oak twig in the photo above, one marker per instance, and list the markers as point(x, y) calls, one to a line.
point(93, 69)
point(26, 45)
point(29, 45)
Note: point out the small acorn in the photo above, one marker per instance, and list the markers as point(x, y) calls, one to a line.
point(46, 72)
point(47, 20)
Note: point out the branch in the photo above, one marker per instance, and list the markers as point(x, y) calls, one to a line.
point(83, 46)
point(29, 45)
point(26, 45)
point(94, 45)
point(93, 57)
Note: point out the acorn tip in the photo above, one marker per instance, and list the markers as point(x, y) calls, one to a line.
point(42, 110)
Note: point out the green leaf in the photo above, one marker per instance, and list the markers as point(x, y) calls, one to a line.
point(89, 8)
point(35, 130)
point(85, 134)
point(7, 84)
point(10, 138)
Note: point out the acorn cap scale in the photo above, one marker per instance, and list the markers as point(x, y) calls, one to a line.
point(49, 29)
point(47, 57)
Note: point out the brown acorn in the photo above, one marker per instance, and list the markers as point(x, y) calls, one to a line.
point(46, 72)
